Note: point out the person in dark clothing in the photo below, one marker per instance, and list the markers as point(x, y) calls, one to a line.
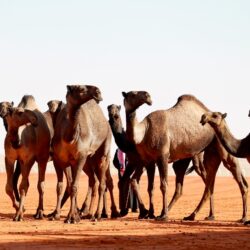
point(120, 163)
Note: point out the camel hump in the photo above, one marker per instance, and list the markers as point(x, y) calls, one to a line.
point(28, 102)
point(191, 98)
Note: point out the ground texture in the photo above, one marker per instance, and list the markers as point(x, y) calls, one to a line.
point(129, 232)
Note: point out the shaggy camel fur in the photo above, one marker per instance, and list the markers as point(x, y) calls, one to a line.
point(25, 129)
point(166, 136)
point(82, 140)
point(236, 147)
point(179, 167)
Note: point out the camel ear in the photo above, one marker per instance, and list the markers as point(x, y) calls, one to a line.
point(119, 107)
point(12, 104)
point(109, 106)
point(224, 115)
point(124, 94)
point(69, 88)
point(34, 120)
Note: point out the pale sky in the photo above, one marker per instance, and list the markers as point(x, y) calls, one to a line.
point(165, 47)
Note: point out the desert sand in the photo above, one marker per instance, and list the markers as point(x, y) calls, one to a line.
point(129, 232)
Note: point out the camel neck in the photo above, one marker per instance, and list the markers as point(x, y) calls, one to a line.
point(132, 123)
point(72, 131)
point(120, 136)
point(236, 147)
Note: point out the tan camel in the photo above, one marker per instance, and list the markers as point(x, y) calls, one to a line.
point(25, 129)
point(166, 136)
point(134, 162)
point(236, 147)
point(82, 140)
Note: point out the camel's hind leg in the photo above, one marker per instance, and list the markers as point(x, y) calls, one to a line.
point(211, 162)
point(180, 168)
point(110, 186)
point(232, 164)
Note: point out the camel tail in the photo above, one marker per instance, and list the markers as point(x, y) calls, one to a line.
point(190, 170)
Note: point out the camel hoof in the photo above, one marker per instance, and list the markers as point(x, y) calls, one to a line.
point(72, 220)
point(161, 218)
point(39, 215)
point(104, 216)
point(17, 218)
point(210, 218)
point(93, 218)
point(115, 214)
point(143, 214)
point(243, 220)
point(246, 223)
point(190, 217)
point(151, 216)
point(123, 212)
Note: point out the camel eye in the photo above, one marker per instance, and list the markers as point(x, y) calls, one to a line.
point(214, 116)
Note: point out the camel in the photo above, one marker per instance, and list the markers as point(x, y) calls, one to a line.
point(82, 141)
point(5, 108)
point(25, 129)
point(179, 167)
point(166, 136)
point(236, 147)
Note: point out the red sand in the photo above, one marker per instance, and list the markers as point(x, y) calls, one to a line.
point(129, 232)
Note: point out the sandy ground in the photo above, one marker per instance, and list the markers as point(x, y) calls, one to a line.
point(129, 232)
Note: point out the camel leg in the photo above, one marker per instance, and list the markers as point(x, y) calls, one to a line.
point(180, 168)
point(144, 213)
point(151, 175)
point(163, 171)
point(73, 215)
point(9, 165)
point(232, 164)
point(55, 215)
point(101, 174)
point(110, 186)
point(23, 188)
point(40, 186)
point(211, 162)
point(123, 186)
point(16, 175)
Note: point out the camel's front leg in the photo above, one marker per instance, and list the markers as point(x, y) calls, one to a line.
point(151, 176)
point(23, 188)
point(73, 215)
point(9, 165)
point(55, 215)
point(101, 174)
point(40, 186)
point(163, 171)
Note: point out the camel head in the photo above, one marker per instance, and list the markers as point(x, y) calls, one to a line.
point(134, 99)
point(5, 108)
point(114, 111)
point(55, 105)
point(213, 118)
point(79, 94)
point(18, 117)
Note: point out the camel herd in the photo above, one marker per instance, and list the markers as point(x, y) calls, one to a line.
point(76, 136)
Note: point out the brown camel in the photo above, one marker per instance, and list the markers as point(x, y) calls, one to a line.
point(25, 129)
point(134, 160)
point(236, 147)
point(166, 136)
point(5, 108)
point(82, 140)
